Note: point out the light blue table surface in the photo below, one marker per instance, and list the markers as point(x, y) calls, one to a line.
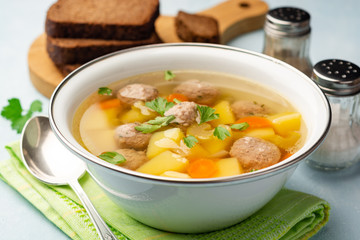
point(335, 34)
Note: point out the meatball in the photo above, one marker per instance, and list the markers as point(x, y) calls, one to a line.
point(199, 92)
point(185, 113)
point(255, 153)
point(245, 108)
point(128, 137)
point(134, 159)
point(137, 92)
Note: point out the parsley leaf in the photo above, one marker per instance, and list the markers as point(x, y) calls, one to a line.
point(169, 75)
point(176, 101)
point(163, 121)
point(13, 110)
point(207, 114)
point(105, 91)
point(147, 128)
point(112, 157)
point(155, 124)
point(14, 113)
point(240, 126)
point(190, 141)
point(159, 105)
point(36, 106)
point(221, 133)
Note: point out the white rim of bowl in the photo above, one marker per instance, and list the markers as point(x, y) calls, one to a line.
point(246, 176)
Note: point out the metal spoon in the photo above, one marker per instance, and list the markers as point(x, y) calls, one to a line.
point(49, 161)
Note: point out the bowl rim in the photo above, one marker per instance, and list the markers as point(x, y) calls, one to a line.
point(293, 161)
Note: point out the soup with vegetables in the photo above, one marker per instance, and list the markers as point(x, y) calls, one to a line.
point(188, 124)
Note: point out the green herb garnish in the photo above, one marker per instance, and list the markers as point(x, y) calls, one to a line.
point(112, 157)
point(221, 133)
point(147, 128)
point(207, 114)
point(176, 101)
point(155, 124)
point(14, 113)
point(240, 126)
point(159, 105)
point(169, 75)
point(163, 121)
point(105, 91)
point(190, 141)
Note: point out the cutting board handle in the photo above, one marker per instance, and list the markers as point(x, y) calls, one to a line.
point(235, 17)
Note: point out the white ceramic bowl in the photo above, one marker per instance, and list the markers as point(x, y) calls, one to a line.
point(192, 205)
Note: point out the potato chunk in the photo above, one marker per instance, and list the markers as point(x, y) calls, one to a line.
point(112, 115)
point(135, 115)
point(165, 161)
point(287, 142)
point(284, 123)
point(174, 174)
point(226, 115)
point(99, 141)
point(197, 151)
point(264, 133)
point(203, 131)
point(163, 141)
point(94, 118)
point(228, 167)
point(214, 145)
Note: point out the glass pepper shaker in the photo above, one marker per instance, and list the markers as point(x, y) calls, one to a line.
point(340, 81)
point(287, 37)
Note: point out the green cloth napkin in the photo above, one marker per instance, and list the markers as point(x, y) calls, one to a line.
point(289, 215)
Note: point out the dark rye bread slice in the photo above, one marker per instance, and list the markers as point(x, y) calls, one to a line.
point(102, 19)
point(78, 51)
point(67, 68)
point(197, 28)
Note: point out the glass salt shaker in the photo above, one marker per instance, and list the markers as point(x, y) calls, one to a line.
point(340, 81)
point(287, 37)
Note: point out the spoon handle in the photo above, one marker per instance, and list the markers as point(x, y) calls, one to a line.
point(103, 230)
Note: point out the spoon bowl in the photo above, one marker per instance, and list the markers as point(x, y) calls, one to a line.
point(48, 160)
point(45, 157)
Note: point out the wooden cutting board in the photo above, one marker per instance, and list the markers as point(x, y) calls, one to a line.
point(234, 17)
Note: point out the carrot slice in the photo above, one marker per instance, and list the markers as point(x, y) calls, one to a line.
point(255, 122)
point(111, 103)
point(286, 155)
point(178, 96)
point(202, 168)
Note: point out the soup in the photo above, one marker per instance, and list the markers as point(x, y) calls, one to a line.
point(189, 124)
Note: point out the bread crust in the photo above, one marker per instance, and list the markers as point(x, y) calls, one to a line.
point(63, 51)
point(197, 28)
point(94, 19)
point(67, 68)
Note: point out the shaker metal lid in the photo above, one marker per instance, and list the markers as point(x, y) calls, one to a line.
point(337, 77)
point(288, 21)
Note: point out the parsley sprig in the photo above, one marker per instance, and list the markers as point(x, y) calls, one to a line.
point(221, 133)
point(207, 114)
point(113, 157)
point(169, 75)
point(240, 126)
point(159, 105)
point(155, 124)
point(14, 113)
point(105, 91)
point(190, 141)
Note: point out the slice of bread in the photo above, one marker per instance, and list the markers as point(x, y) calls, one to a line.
point(78, 51)
point(67, 68)
point(197, 28)
point(102, 19)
